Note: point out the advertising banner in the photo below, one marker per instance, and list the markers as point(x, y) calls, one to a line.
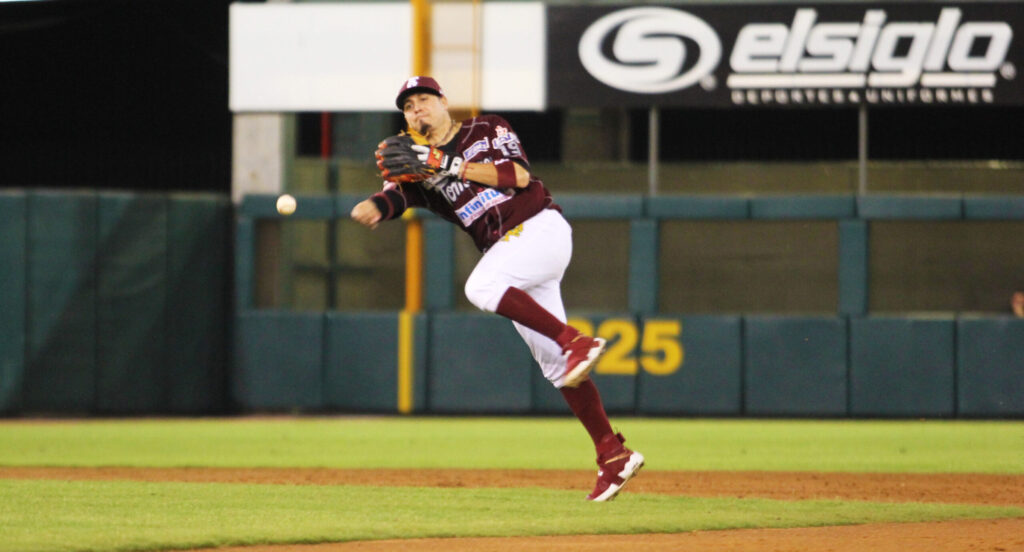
point(785, 55)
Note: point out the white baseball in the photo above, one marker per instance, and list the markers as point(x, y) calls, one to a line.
point(286, 204)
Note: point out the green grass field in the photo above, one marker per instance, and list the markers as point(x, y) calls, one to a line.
point(124, 515)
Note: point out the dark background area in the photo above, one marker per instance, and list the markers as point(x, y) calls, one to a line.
point(751, 134)
point(115, 94)
point(133, 95)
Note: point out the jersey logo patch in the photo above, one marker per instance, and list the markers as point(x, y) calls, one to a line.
point(479, 205)
point(513, 233)
point(507, 142)
point(452, 189)
point(475, 149)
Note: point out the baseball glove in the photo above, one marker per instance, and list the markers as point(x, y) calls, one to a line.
point(401, 159)
point(399, 162)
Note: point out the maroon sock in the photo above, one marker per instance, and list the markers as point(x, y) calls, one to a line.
point(517, 305)
point(586, 404)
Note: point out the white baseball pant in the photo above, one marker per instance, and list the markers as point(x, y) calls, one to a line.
point(533, 260)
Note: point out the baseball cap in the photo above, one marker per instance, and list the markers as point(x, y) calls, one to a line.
point(416, 85)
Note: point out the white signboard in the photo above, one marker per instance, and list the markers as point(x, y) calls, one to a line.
point(318, 57)
point(514, 56)
point(355, 56)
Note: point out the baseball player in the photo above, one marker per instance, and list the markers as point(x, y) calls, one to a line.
point(475, 174)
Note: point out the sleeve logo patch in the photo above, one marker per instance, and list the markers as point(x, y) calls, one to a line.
point(476, 148)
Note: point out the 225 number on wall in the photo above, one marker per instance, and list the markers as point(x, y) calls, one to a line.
point(660, 350)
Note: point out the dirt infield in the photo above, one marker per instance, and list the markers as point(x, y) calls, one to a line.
point(996, 535)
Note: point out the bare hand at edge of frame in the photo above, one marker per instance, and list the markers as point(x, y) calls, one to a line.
point(366, 213)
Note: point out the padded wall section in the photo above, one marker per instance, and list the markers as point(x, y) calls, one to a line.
point(245, 263)
point(439, 269)
point(60, 374)
point(901, 367)
point(960, 266)
point(279, 363)
point(697, 207)
point(371, 269)
point(894, 206)
point(361, 362)
point(802, 207)
point(421, 358)
point(295, 266)
point(707, 380)
point(125, 302)
point(795, 366)
point(600, 247)
point(198, 303)
point(131, 300)
point(715, 267)
point(853, 267)
point(13, 269)
point(990, 367)
point(643, 266)
point(994, 207)
point(477, 363)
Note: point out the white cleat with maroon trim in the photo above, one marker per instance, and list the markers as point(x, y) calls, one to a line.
point(581, 355)
point(619, 467)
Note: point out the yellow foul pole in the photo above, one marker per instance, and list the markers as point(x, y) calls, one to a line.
point(421, 46)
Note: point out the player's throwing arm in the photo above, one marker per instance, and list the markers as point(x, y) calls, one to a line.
point(366, 213)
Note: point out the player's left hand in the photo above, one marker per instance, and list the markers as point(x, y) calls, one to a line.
point(399, 162)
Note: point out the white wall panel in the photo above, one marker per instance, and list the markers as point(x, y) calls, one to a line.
point(514, 54)
point(355, 56)
point(318, 57)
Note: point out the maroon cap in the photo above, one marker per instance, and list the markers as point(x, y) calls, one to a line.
point(416, 85)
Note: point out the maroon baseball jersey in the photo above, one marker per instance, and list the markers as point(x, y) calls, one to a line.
point(485, 213)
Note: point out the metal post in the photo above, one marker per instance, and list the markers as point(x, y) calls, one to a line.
point(474, 109)
point(652, 152)
point(421, 49)
point(862, 150)
point(421, 36)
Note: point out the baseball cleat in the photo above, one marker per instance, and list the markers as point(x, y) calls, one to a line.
point(581, 356)
point(616, 469)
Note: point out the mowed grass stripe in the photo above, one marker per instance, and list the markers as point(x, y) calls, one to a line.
point(519, 443)
point(38, 516)
point(991, 489)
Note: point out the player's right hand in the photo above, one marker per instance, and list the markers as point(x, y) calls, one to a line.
point(366, 213)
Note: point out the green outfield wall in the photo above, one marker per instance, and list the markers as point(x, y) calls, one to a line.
point(13, 274)
point(808, 306)
point(114, 303)
point(892, 367)
point(651, 264)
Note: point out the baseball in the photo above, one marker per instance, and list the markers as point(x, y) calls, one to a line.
point(286, 204)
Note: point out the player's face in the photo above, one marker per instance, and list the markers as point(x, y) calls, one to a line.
point(425, 111)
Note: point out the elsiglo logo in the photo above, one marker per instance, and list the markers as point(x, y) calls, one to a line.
point(873, 53)
point(648, 53)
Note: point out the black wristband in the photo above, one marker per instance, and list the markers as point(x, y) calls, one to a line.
point(383, 205)
point(390, 203)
